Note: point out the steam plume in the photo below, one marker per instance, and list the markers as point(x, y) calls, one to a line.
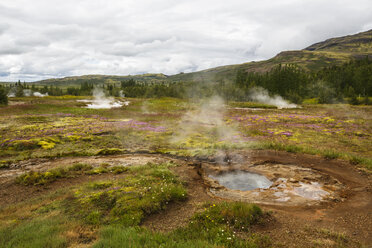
point(38, 94)
point(205, 126)
point(262, 95)
point(100, 101)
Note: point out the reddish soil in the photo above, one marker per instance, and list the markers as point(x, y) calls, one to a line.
point(296, 226)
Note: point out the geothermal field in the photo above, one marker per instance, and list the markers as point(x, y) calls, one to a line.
point(167, 172)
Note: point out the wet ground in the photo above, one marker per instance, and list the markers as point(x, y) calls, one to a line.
point(272, 183)
point(308, 193)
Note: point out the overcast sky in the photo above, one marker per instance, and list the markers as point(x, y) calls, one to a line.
point(52, 38)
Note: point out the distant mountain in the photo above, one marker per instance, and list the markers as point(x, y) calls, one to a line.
point(100, 79)
point(333, 51)
point(356, 44)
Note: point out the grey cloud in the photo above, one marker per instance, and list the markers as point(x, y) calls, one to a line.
point(41, 39)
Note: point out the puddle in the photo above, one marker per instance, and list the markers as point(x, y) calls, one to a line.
point(242, 180)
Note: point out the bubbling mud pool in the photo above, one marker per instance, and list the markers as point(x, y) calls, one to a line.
point(273, 184)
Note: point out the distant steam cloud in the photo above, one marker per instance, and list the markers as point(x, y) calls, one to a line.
point(261, 95)
point(121, 94)
point(38, 94)
point(27, 92)
point(100, 101)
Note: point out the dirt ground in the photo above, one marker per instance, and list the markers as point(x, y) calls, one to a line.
point(289, 226)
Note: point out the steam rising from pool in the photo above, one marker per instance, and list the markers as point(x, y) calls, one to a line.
point(242, 180)
point(262, 95)
point(100, 101)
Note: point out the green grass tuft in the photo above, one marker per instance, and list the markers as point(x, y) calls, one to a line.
point(40, 232)
point(110, 151)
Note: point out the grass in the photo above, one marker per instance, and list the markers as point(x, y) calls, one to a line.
point(40, 178)
point(117, 208)
point(328, 154)
point(251, 105)
point(110, 151)
point(216, 226)
point(324, 237)
point(144, 190)
point(36, 233)
point(55, 127)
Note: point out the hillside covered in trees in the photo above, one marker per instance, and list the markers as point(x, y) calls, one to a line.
point(329, 85)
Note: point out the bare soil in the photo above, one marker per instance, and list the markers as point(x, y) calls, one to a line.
point(289, 226)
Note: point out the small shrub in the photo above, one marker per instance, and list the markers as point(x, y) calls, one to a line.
point(80, 167)
point(118, 169)
point(3, 97)
point(38, 178)
point(46, 144)
point(93, 218)
point(30, 178)
point(110, 151)
point(238, 215)
point(4, 164)
point(98, 170)
point(100, 185)
point(21, 145)
point(331, 154)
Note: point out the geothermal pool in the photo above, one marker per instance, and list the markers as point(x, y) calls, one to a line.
point(271, 183)
point(242, 180)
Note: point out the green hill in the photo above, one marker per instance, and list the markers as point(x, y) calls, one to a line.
point(333, 51)
point(101, 79)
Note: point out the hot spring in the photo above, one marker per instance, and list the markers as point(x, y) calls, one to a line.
point(271, 183)
point(242, 180)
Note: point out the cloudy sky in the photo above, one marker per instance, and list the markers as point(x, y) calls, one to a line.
point(56, 38)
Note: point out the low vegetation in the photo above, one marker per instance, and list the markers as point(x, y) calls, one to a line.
point(40, 178)
point(129, 200)
point(112, 211)
point(218, 225)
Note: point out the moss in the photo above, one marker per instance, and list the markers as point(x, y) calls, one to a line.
point(97, 170)
point(46, 145)
point(118, 169)
point(101, 185)
point(145, 190)
point(110, 151)
point(39, 178)
point(20, 145)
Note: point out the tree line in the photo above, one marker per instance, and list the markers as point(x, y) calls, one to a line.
point(329, 85)
point(351, 80)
